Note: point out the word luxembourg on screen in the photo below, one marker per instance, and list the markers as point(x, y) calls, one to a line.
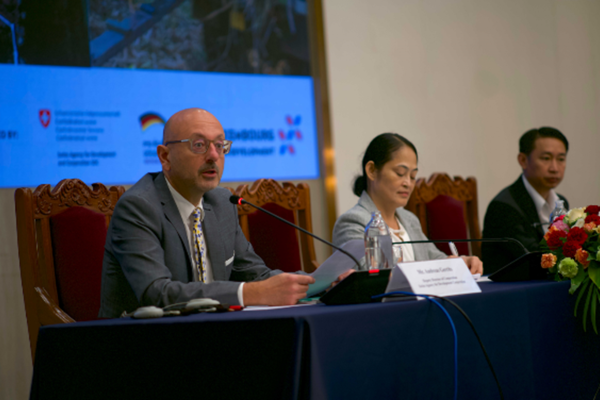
point(103, 125)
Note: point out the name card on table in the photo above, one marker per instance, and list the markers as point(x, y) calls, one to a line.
point(446, 277)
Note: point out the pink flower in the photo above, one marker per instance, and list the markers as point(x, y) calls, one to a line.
point(561, 225)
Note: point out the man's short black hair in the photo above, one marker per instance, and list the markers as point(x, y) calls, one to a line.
point(527, 141)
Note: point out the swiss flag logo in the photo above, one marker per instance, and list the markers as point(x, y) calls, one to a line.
point(45, 117)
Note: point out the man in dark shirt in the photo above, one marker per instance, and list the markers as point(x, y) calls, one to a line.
point(522, 210)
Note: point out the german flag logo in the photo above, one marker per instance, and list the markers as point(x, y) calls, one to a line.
point(149, 119)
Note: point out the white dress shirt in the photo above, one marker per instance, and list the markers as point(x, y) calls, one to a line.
point(186, 210)
point(544, 207)
point(400, 235)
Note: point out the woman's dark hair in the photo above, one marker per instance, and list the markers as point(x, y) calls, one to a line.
point(380, 151)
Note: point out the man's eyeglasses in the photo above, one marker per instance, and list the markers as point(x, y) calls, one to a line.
point(200, 145)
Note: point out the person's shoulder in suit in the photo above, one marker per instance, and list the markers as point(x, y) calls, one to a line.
point(507, 200)
point(351, 224)
point(348, 225)
point(510, 214)
point(144, 188)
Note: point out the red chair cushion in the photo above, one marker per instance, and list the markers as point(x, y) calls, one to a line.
point(78, 237)
point(274, 241)
point(446, 220)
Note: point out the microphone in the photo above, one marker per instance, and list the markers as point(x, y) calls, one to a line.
point(513, 271)
point(495, 240)
point(239, 200)
point(540, 224)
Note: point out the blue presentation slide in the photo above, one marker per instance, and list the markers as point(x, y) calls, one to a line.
point(103, 124)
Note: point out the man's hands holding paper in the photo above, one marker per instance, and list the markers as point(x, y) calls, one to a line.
point(279, 290)
point(282, 289)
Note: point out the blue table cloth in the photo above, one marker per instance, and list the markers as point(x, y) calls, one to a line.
point(369, 351)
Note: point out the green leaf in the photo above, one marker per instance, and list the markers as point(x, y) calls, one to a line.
point(586, 307)
point(593, 308)
point(591, 249)
point(577, 279)
point(594, 272)
point(586, 282)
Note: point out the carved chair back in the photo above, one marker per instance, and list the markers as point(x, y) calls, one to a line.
point(447, 209)
point(60, 234)
point(278, 244)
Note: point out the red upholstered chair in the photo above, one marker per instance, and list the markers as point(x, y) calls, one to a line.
point(61, 235)
point(447, 209)
point(278, 244)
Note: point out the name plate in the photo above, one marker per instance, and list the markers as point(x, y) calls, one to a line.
point(446, 277)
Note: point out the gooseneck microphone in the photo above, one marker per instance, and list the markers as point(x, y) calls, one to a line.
point(494, 240)
point(239, 200)
point(523, 268)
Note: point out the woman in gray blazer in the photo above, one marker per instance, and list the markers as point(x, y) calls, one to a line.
point(389, 169)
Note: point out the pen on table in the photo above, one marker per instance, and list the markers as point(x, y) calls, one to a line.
point(453, 249)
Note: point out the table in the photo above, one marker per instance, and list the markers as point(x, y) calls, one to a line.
point(368, 351)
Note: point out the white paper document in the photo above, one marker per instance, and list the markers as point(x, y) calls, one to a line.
point(445, 277)
point(335, 265)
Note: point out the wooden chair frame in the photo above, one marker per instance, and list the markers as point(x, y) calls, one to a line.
point(33, 211)
point(289, 196)
point(462, 190)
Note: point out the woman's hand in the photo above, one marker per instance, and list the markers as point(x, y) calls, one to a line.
point(474, 263)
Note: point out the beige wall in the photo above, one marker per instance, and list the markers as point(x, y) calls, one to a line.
point(15, 357)
point(462, 79)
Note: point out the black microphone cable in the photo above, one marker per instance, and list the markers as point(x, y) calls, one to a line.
point(464, 314)
point(455, 347)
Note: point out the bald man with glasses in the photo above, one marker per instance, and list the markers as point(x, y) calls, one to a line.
point(174, 236)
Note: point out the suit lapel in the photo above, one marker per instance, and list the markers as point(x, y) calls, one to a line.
point(526, 204)
point(419, 250)
point(214, 242)
point(172, 213)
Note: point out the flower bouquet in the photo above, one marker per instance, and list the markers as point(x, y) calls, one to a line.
point(573, 246)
